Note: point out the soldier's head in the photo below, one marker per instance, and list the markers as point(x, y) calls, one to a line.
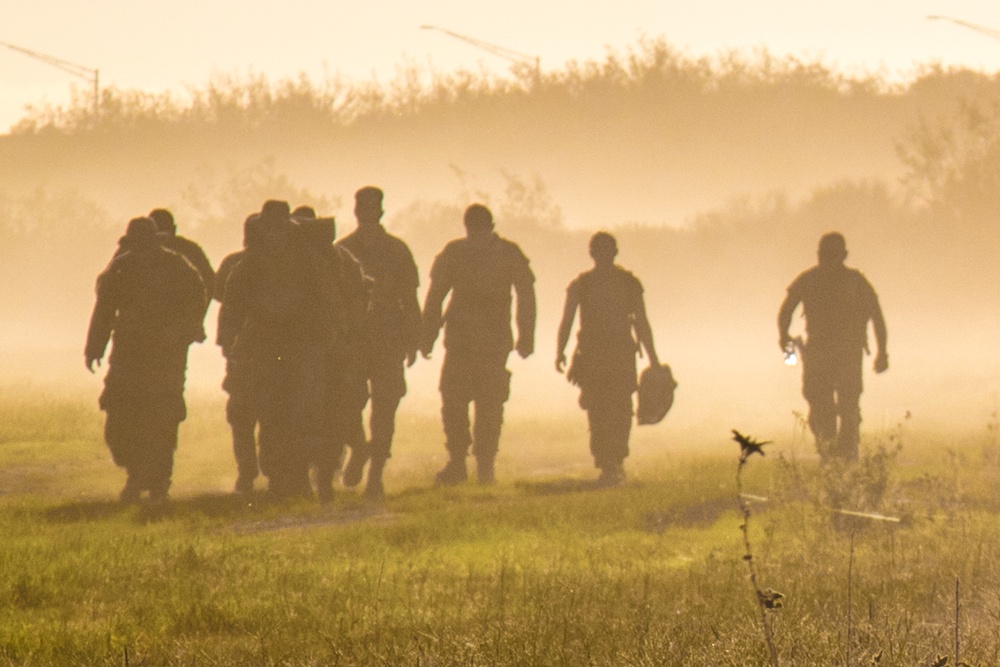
point(603, 248)
point(164, 220)
point(478, 220)
point(141, 234)
point(368, 205)
point(253, 231)
point(322, 230)
point(832, 249)
point(275, 210)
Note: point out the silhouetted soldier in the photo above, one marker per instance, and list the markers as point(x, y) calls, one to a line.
point(390, 335)
point(185, 247)
point(150, 303)
point(240, 411)
point(286, 308)
point(837, 303)
point(264, 318)
point(611, 307)
point(345, 391)
point(479, 271)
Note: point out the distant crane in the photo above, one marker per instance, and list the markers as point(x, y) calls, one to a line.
point(515, 57)
point(995, 34)
point(81, 71)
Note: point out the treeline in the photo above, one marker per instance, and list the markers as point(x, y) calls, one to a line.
point(650, 135)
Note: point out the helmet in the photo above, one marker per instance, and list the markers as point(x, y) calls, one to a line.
point(656, 394)
point(164, 220)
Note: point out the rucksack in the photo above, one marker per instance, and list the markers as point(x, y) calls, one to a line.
point(656, 394)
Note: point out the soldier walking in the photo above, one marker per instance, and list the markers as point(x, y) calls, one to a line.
point(611, 307)
point(390, 334)
point(150, 305)
point(837, 302)
point(286, 310)
point(237, 383)
point(479, 272)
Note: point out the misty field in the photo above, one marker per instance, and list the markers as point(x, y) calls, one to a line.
point(717, 177)
point(541, 569)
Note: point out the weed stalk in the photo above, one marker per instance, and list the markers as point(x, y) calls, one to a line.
point(850, 589)
point(769, 599)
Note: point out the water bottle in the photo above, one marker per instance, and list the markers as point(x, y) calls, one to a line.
point(791, 358)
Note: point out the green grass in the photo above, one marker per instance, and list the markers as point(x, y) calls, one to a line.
point(538, 570)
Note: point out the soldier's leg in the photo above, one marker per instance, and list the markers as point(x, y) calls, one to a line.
point(160, 458)
point(271, 386)
point(243, 423)
point(823, 422)
point(268, 445)
point(486, 438)
point(457, 373)
point(120, 434)
point(457, 434)
point(354, 436)
point(283, 458)
point(328, 458)
point(610, 426)
point(383, 427)
point(818, 386)
point(849, 386)
point(598, 437)
point(848, 406)
point(388, 388)
point(356, 390)
point(305, 419)
point(291, 478)
point(490, 396)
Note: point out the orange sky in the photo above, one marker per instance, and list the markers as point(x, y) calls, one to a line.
point(158, 45)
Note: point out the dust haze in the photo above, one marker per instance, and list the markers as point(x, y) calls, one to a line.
point(717, 179)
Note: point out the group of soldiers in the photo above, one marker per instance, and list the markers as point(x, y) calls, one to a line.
point(313, 329)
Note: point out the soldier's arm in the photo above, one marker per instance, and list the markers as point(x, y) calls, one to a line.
point(411, 320)
point(204, 268)
point(222, 275)
point(785, 312)
point(524, 287)
point(410, 304)
point(233, 312)
point(101, 322)
point(565, 326)
point(431, 320)
point(198, 297)
point(881, 336)
point(644, 332)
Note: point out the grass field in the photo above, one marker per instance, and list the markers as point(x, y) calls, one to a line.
point(541, 569)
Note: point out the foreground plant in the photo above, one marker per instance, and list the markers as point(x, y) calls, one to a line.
point(767, 599)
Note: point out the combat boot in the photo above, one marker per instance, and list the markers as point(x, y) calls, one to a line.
point(611, 475)
point(131, 492)
point(355, 468)
point(374, 489)
point(485, 474)
point(453, 473)
point(244, 484)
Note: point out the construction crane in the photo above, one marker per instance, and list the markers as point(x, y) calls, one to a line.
point(81, 71)
point(995, 34)
point(513, 56)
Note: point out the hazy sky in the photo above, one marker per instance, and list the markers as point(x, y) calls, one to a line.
point(158, 45)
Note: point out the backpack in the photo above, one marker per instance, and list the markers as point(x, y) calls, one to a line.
point(656, 394)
